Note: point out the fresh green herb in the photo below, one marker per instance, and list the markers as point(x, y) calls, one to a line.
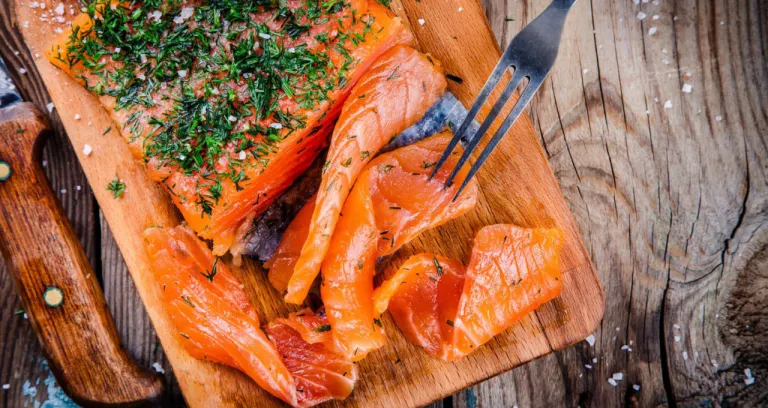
point(19, 130)
point(323, 328)
point(185, 335)
point(18, 312)
point(186, 300)
point(386, 168)
point(213, 271)
point(377, 322)
point(116, 186)
point(449, 322)
point(437, 266)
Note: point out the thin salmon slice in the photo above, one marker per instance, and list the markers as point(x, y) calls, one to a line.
point(428, 290)
point(225, 104)
point(393, 95)
point(451, 311)
point(306, 348)
point(215, 322)
point(392, 202)
point(282, 263)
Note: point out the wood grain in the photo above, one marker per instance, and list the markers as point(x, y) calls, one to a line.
point(672, 203)
point(43, 252)
point(555, 326)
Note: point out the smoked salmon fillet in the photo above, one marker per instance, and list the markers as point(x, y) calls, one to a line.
point(451, 310)
point(393, 95)
point(210, 311)
point(226, 103)
point(392, 202)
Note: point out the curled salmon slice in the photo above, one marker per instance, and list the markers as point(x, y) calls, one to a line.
point(451, 311)
point(392, 202)
point(215, 322)
point(306, 348)
point(393, 95)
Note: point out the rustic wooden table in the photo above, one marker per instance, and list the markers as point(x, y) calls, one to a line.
point(655, 120)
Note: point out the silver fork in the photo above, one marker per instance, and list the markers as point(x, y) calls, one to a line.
point(531, 53)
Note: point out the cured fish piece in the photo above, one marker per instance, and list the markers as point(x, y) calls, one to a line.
point(428, 290)
point(393, 95)
point(282, 263)
point(392, 202)
point(225, 103)
point(306, 347)
point(451, 311)
point(215, 322)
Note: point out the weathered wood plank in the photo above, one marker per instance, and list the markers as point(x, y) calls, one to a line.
point(672, 203)
point(20, 355)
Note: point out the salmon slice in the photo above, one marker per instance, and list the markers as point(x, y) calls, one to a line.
point(428, 290)
point(392, 202)
point(282, 263)
point(215, 322)
point(306, 348)
point(393, 95)
point(451, 311)
point(225, 106)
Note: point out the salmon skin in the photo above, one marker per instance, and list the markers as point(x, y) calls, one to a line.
point(450, 310)
point(215, 322)
point(226, 103)
point(392, 202)
point(267, 230)
point(393, 95)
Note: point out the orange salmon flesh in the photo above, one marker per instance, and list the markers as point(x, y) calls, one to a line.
point(451, 310)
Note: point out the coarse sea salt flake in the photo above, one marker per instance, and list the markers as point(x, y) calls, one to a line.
point(612, 382)
point(59, 9)
point(182, 73)
point(655, 17)
point(748, 372)
point(77, 116)
point(143, 58)
point(636, 387)
point(158, 368)
point(421, 21)
point(461, 9)
point(591, 340)
point(49, 106)
point(714, 363)
point(641, 15)
point(749, 381)
point(687, 88)
point(241, 156)
point(264, 36)
point(276, 126)
point(87, 150)
point(22, 71)
point(588, 366)
point(677, 339)
point(618, 376)
point(718, 118)
point(231, 118)
point(668, 104)
point(652, 31)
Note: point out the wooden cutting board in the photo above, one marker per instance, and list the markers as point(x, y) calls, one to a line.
point(516, 186)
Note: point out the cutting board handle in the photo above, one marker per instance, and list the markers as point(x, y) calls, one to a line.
point(58, 288)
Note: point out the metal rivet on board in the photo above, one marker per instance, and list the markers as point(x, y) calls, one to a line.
point(53, 296)
point(5, 170)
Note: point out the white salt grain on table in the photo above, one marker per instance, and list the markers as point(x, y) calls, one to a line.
point(687, 88)
point(641, 15)
point(87, 150)
point(591, 340)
